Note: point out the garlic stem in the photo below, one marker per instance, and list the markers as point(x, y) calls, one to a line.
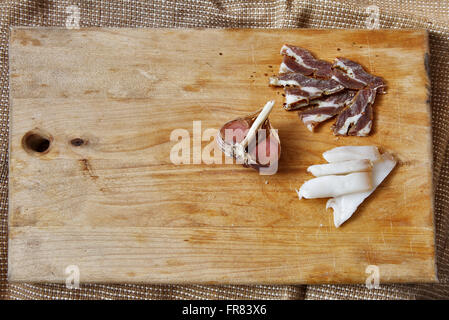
point(263, 115)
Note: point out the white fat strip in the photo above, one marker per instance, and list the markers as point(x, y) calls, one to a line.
point(334, 186)
point(366, 130)
point(312, 91)
point(341, 65)
point(284, 69)
point(316, 117)
point(350, 120)
point(344, 206)
point(325, 104)
point(276, 82)
point(310, 126)
point(352, 153)
point(288, 52)
point(312, 119)
point(348, 71)
point(293, 98)
point(341, 167)
point(296, 105)
point(334, 90)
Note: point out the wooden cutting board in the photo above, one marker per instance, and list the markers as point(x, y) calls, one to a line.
point(92, 184)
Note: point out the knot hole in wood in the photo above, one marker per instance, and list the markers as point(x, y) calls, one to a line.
point(37, 142)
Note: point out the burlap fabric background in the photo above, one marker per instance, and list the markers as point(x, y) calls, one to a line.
point(433, 15)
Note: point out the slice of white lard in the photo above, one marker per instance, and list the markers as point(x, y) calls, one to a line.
point(352, 153)
point(340, 167)
point(345, 205)
point(334, 186)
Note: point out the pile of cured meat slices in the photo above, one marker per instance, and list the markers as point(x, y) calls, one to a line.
point(342, 89)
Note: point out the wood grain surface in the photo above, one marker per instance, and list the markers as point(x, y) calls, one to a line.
point(106, 197)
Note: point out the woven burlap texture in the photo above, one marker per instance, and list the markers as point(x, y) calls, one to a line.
point(432, 15)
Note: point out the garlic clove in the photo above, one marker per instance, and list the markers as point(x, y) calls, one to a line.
point(235, 131)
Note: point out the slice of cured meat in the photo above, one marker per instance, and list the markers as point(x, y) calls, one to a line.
point(356, 72)
point(290, 65)
point(346, 81)
point(356, 119)
point(321, 69)
point(326, 108)
point(296, 98)
point(304, 88)
point(300, 80)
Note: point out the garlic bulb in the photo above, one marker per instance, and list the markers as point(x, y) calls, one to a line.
point(251, 140)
